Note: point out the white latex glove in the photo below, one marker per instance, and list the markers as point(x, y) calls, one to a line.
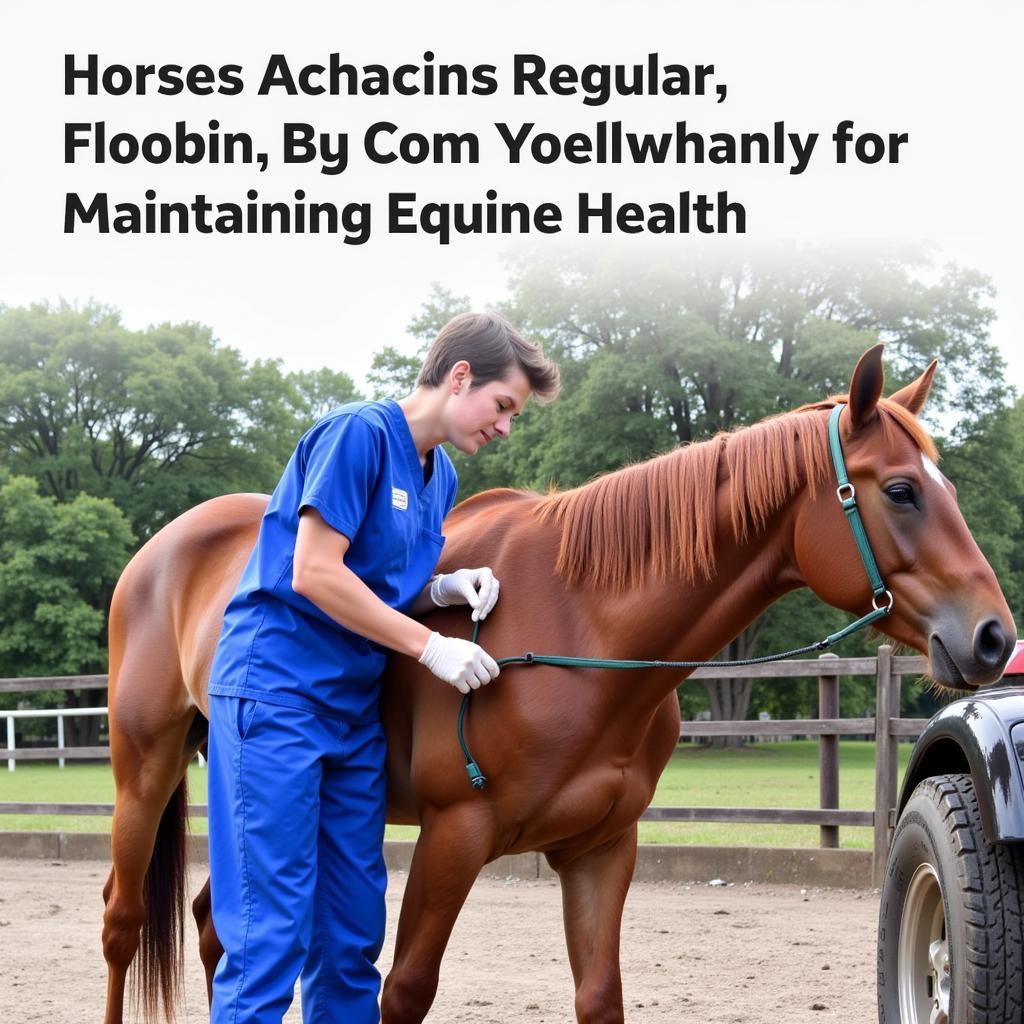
point(475, 587)
point(464, 664)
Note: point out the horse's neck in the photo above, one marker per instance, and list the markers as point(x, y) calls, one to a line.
point(668, 619)
point(676, 620)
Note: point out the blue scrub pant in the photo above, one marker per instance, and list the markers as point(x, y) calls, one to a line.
point(297, 804)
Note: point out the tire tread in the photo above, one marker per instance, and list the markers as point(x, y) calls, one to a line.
point(991, 877)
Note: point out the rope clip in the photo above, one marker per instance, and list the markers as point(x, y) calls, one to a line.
point(476, 777)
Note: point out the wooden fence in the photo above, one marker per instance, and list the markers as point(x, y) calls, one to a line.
point(886, 727)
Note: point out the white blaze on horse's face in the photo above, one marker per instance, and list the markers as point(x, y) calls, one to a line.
point(933, 471)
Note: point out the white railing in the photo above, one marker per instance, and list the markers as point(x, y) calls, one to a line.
point(58, 713)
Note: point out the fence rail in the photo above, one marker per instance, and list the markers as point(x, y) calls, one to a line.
point(60, 752)
point(886, 727)
point(37, 683)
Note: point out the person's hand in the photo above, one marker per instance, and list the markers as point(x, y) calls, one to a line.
point(475, 587)
point(462, 663)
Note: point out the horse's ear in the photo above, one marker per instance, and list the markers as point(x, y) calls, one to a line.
point(866, 387)
point(914, 395)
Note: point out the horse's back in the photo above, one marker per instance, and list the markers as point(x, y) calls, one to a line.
point(502, 498)
point(168, 605)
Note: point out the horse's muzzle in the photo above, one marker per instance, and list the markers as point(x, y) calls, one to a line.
point(960, 664)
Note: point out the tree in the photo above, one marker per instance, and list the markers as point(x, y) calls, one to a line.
point(59, 562)
point(157, 420)
point(152, 422)
point(317, 392)
point(985, 460)
point(1014, 571)
point(393, 373)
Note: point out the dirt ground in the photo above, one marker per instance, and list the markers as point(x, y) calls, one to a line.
point(741, 954)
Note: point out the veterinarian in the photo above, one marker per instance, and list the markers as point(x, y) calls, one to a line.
point(343, 563)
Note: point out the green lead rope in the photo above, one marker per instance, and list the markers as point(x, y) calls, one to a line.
point(849, 505)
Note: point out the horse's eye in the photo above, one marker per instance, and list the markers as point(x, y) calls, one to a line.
point(902, 494)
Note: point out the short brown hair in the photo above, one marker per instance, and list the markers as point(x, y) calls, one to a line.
point(491, 346)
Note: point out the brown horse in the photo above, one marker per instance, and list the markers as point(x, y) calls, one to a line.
point(666, 559)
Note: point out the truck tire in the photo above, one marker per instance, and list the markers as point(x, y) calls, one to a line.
point(950, 942)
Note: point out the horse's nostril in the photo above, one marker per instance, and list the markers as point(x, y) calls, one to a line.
point(990, 643)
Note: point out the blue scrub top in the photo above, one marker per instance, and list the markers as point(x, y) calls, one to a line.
point(358, 467)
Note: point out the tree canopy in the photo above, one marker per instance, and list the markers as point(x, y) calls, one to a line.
point(156, 420)
point(59, 562)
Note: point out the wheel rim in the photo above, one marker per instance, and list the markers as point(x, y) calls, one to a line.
point(923, 956)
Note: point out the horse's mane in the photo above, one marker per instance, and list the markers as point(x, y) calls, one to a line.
point(658, 517)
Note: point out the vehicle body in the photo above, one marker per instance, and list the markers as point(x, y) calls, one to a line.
point(951, 921)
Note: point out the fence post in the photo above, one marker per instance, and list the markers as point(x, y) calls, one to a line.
point(60, 739)
point(828, 752)
point(887, 707)
point(10, 742)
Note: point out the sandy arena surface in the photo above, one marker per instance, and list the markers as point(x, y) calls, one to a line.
point(755, 954)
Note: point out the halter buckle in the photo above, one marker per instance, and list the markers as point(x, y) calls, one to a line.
point(852, 496)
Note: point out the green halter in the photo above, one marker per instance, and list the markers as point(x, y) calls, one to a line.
point(847, 496)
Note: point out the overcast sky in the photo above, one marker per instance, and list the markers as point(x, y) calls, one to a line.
point(942, 73)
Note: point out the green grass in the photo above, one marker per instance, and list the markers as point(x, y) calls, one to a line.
point(760, 775)
point(763, 775)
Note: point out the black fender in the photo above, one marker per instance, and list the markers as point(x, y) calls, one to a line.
point(982, 735)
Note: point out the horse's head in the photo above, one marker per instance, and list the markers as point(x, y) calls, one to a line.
point(947, 603)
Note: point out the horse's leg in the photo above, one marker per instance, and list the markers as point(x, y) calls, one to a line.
point(594, 887)
point(210, 949)
point(147, 772)
point(452, 848)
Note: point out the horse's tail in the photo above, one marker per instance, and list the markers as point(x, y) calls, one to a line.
point(157, 975)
